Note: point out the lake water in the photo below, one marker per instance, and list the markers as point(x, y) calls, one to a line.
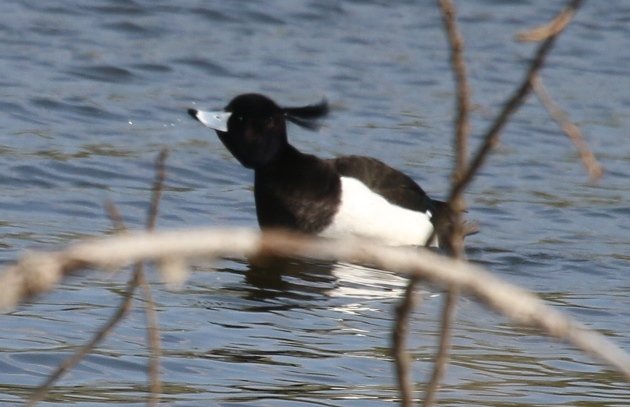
point(91, 92)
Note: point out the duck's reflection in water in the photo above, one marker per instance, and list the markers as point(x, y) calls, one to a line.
point(307, 279)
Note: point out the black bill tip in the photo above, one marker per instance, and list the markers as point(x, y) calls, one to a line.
point(193, 113)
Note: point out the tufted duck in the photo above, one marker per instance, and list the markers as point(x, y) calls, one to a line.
point(337, 197)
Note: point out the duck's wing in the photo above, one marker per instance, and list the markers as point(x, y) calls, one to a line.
point(396, 187)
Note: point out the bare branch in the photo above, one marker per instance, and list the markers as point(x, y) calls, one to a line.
point(458, 204)
point(549, 29)
point(153, 331)
point(115, 217)
point(69, 363)
point(402, 360)
point(36, 273)
point(441, 359)
point(462, 177)
point(492, 135)
point(153, 337)
point(592, 166)
point(462, 125)
point(158, 186)
point(137, 278)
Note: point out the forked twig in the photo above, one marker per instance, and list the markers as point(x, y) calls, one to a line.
point(136, 279)
point(462, 177)
point(516, 99)
point(592, 166)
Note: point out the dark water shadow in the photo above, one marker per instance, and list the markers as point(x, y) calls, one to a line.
point(293, 279)
point(281, 284)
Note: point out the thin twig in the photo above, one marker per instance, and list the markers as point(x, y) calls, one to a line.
point(462, 178)
point(116, 218)
point(153, 337)
point(36, 273)
point(550, 28)
point(122, 310)
point(592, 166)
point(136, 279)
point(153, 331)
point(492, 135)
point(67, 365)
point(402, 360)
point(441, 359)
point(458, 204)
point(455, 241)
point(462, 125)
point(158, 186)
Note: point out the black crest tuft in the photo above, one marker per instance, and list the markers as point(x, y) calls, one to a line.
point(307, 116)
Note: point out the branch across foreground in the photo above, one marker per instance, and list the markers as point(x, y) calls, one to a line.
point(37, 273)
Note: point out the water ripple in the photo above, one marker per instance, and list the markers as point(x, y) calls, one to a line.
point(104, 73)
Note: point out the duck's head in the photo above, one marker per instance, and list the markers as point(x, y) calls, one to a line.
point(253, 127)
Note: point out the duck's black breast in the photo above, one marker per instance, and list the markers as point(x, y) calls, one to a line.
point(297, 191)
point(393, 185)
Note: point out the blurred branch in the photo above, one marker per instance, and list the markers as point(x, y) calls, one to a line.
point(592, 166)
point(36, 273)
point(462, 125)
point(158, 186)
point(121, 311)
point(153, 330)
point(115, 217)
point(463, 176)
point(458, 204)
point(402, 360)
point(492, 135)
point(137, 278)
point(441, 359)
point(551, 28)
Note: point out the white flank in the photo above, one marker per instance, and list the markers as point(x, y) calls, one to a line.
point(366, 214)
point(214, 120)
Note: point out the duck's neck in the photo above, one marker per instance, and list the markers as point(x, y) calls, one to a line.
point(285, 158)
point(295, 169)
point(296, 191)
